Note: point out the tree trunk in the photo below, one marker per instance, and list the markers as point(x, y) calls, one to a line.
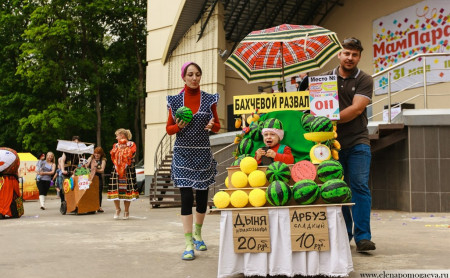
point(99, 118)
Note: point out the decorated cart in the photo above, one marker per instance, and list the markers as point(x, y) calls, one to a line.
point(80, 190)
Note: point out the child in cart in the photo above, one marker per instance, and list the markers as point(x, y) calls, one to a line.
point(273, 133)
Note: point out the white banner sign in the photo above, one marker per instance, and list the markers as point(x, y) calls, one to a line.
point(83, 182)
point(323, 96)
point(421, 28)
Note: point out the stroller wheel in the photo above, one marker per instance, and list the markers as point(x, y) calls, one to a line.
point(63, 208)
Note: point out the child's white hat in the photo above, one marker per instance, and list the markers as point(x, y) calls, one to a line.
point(278, 132)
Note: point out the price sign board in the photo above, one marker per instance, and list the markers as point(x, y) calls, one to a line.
point(83, 182)
point(251, 231)
point(309, 229)
point(323, 96)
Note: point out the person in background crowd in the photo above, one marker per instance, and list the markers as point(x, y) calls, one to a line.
point(58, 177)
point(97, 164)
point(38, 166)
point(9, 185)
point(355, 89)
point(193, 165)
point(303, 84)
point(67, 163)
point(123, 184)
point(46, 171)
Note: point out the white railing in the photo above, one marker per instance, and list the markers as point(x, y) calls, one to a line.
point(390, 94)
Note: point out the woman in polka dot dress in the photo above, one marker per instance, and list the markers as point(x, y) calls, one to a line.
point(193, 165)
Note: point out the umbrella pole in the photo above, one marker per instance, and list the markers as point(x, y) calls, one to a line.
point(282, 69)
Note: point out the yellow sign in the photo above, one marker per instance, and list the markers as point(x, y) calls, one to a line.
point(66, 185)
point(265, 103)
point(27, 173)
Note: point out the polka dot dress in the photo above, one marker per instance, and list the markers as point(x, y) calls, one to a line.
point(193, 164)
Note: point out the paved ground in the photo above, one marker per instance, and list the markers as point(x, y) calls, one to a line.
point(149, 244)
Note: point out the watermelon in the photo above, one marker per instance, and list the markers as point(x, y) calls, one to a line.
point(245, 146)
point(184, 113)
point(278, 193)
point(255, 130)
point(306, 121)
point(273, 123)
point(278, 171)
point(305, 192)
point(321, 124)
point(329, 169)
point(238, 160)
point(82, 171)
point(335, 191)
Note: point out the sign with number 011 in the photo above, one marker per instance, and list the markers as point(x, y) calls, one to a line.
point(323, 96)
point(309, 229)
point(251, 231)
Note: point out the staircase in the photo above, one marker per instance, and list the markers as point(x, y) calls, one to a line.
point(390, 133)
point(162, 191)
point(386, 135)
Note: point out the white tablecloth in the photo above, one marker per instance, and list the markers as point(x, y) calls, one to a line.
point(282, 261)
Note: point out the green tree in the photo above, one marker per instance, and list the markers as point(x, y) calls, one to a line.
point(52, 63)
point(14, 93)
point(127, 23)
point(81, 64)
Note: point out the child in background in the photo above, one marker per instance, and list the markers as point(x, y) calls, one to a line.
point(274, 151)
point(39, 165)
point(58, 178)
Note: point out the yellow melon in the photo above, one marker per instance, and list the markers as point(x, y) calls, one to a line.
point(239, 179)
point(239, 199)
point(257, 178)
point(221, 199)
point(257, 197)
point(248, 164)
